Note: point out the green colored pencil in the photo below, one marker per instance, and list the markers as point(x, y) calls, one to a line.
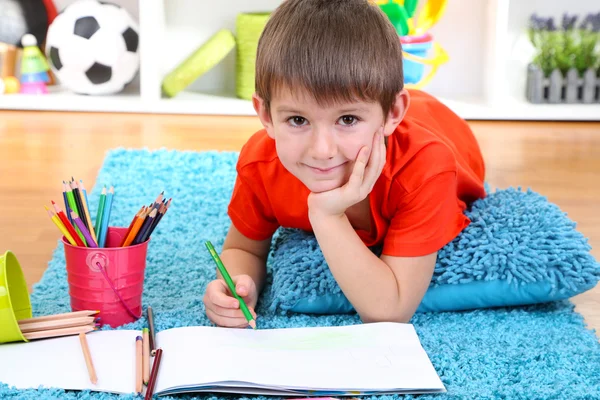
point(100, 213)
point(230, 284)
point(73, 206)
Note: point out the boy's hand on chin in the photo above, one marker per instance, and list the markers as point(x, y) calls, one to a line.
point(366, 171)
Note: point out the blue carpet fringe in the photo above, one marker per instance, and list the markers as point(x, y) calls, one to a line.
point(542, 351)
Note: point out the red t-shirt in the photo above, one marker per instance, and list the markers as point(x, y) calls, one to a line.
point(434, 168)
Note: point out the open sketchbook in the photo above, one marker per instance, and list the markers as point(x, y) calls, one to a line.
point(344, 360)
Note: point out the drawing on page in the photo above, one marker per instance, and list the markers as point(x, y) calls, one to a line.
point(315, 341)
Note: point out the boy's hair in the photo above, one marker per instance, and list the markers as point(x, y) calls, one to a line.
point(335, 50)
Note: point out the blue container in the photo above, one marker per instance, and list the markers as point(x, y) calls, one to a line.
point(413, 71)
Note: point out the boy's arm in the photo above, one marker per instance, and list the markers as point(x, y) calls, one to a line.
point(386, 289)
point(242, 255)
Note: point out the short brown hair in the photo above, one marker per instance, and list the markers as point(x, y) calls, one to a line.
point(336, 50)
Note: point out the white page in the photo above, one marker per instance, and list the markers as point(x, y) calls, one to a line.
point(382, 356)
point(59, 362)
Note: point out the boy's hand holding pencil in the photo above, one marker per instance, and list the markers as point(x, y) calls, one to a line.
point(230, 301)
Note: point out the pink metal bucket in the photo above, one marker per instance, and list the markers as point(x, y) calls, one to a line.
point(109, 279)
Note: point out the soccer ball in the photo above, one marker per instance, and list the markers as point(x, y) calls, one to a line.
point(93, 47)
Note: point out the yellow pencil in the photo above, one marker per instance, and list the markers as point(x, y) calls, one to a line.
point(60, 226)
point(86, 211)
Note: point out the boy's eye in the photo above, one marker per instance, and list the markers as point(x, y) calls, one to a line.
point(297, 121)
point(348, 120)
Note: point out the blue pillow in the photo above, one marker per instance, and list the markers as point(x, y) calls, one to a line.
point(519, 249)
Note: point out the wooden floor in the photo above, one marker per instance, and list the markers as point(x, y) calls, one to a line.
point(38, 150)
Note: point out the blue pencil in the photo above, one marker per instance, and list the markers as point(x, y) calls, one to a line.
point(84, 193)
point(106, 217)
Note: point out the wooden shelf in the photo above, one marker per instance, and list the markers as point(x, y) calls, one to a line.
point(484, 79)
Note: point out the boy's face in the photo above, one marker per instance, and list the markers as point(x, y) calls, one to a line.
point(319, 145)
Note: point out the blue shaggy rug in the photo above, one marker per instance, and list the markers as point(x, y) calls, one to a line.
point(540, 351)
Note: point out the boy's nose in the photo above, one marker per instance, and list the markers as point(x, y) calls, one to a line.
point(323, 145)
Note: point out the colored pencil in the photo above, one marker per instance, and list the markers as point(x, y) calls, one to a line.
point(136, 228)
point(73, 208)
point(54, 317)
point(158, 219)
point(151, 331)
point(82, 188)
point(138, 364)
point(56, 324)
point(158, 200)
point(60, 226)
point(146, 355)
point(76, 330)
point(66, 201)
point(88, 358)
point(79, 203)
point(135, 218)
point(106, 216)
point(83, 230)
point(86, 211)
point(230, 284)
point(67, 223)
point(145, 226)
point(153, 374)
point(101, 204)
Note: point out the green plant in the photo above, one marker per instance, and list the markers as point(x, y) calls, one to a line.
point(571, 46)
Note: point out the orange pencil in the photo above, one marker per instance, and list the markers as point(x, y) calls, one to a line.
point(135, 229)
point(67, 224)
point(135, 218)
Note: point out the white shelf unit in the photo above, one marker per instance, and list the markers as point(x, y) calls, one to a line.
point(484, 79)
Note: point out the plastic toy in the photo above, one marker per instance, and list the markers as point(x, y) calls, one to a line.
point(199, 62)
point(34, 67)
point(93, 47)
point(415, 52)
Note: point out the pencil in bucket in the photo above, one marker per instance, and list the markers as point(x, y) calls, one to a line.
point(105, 264)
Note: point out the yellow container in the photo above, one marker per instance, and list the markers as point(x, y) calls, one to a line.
point(249, 27)
point(14, 299)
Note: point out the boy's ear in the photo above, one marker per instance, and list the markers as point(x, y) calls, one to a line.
point(263, 114)
point(397, 112)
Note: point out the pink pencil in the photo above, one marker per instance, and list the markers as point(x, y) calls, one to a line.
point(88, 237)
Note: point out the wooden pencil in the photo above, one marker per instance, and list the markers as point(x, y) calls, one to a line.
point(153, 374)
point(146, 355)
point(86, 211)
point(66, 201)
point(55, 324)
point(79, 202)
point(54, 317)
point(75, 330)
point(131, 224)
point(136, 228)
point(138, 364)
point(106, 217)
point(83, 230)
point(157, 220)
point(73, 209)
point(145, 227)
point(67, 223)
point(88, 358)
point(60, 226)
point(99, 214)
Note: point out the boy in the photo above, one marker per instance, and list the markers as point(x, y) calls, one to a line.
point(344, 156)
